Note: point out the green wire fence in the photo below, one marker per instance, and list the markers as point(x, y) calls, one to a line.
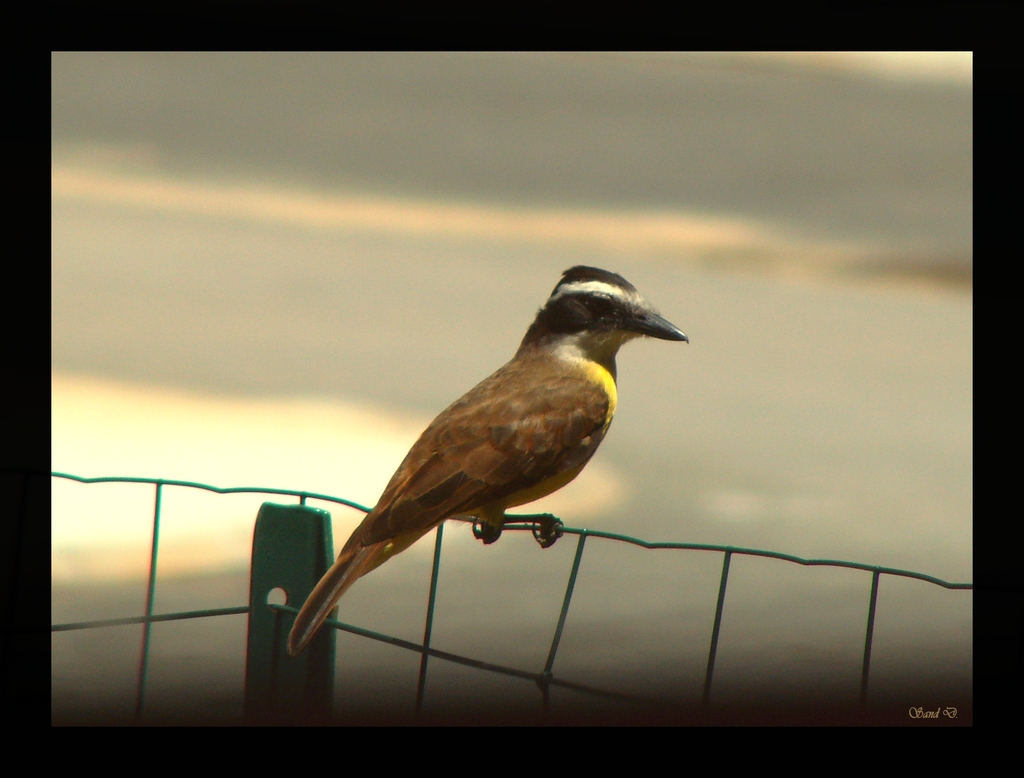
point(292, 548)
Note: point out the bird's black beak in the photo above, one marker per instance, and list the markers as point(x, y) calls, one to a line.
point(650, 323)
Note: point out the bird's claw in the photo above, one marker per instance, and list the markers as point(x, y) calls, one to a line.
point(547, 529)
point(486, 532)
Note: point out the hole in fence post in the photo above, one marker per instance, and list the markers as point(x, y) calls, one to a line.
point(292, 549)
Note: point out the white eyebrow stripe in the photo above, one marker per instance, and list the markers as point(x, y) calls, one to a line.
point(599, 287)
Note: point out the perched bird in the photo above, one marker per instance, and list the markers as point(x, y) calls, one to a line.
point(515, 437)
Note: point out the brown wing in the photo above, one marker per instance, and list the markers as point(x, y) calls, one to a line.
point(524, 424)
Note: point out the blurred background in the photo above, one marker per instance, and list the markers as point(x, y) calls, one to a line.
point(275, 269)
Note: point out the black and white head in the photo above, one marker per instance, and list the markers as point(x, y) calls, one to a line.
point(594, 311)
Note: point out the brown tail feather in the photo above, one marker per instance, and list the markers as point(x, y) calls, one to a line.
point(350, 565)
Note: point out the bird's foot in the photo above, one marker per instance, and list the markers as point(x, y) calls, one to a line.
point(547, 529)
point(487, 532)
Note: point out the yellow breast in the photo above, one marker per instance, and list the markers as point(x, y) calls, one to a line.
point(601, 375)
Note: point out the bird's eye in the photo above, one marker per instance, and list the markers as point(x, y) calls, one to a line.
point(600, 306)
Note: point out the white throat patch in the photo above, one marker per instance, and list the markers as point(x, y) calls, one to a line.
point(582, 347)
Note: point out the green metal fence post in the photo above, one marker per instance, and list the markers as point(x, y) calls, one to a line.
point(292, 548)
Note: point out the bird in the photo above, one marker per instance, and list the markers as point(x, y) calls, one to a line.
point(519, 435)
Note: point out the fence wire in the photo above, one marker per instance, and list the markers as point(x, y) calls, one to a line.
point(544, 679)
